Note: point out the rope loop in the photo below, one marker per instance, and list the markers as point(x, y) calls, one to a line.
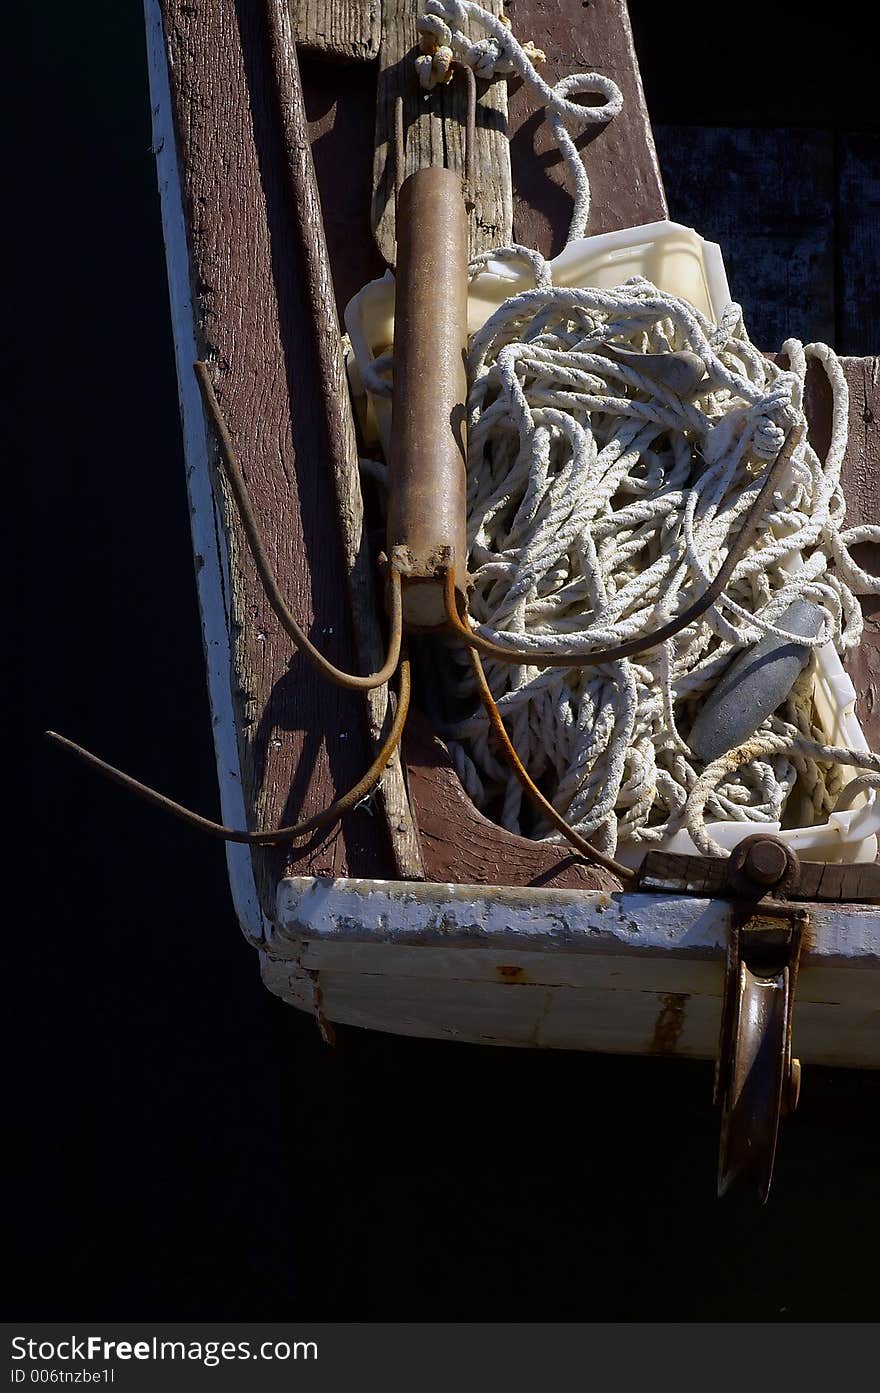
point(444, 40)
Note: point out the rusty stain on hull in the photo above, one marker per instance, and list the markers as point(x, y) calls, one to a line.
point(509, 973)
point(670, 1023)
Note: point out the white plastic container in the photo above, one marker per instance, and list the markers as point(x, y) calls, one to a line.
point(674, 257)
point(677, 260)
point(846, 836)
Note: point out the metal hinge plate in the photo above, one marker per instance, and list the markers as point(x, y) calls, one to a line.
point(756, 1080)
point(663, 872)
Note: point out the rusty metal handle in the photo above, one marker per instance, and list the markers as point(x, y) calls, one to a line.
point(427, 502)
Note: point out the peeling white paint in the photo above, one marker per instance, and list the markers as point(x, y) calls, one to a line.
point(564, 969)
point(424, 914)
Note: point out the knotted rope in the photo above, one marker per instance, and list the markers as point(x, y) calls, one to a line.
point(445, 41)
point(600, 504)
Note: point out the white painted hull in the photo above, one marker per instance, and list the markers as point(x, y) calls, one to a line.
point(558, 969)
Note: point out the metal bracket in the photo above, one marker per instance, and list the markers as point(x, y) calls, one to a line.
point(753, 867)
point(756, 1080)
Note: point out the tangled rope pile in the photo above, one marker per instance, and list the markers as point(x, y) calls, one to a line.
point(600, 504)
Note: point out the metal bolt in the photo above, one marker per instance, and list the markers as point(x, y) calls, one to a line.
point(766, 862)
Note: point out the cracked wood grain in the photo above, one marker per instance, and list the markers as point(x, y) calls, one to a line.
point(860, 480)
point(347, 30)
point(434, 132)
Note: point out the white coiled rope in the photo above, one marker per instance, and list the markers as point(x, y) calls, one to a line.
point(600, 505)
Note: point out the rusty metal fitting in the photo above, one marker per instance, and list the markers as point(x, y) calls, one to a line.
point(427, 494)
point(757, 1079)
point(766, 862)
point(762, 863)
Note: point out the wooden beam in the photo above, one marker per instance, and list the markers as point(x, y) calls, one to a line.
point(341, 121)
point(347, 30)
point(300, 740)
point(844, 883)
point(859, 479)
point(434, 125)
point(210, 553)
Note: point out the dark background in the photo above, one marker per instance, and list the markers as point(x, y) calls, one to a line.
point(183, 1146)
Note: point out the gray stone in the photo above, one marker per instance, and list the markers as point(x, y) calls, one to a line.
point(757, 681)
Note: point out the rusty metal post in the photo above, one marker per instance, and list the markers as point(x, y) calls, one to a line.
point(427, 503)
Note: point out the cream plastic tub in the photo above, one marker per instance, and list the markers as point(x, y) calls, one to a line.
point(677, 260)
point(672, 256)
point(846, 836)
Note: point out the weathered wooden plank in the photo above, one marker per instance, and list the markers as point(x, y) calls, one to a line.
point(434, 125)
point(659, 972)
point(300, 739)
point(860, 480)
point(339, 114)
point(629, 926)
point(620, 158)
point(344, 29)
point(663, 872)
point(342, 455)
point(459, 844)
point(858, 310)
point(340, 118)
point(776, 230)
point(611, 1020)
point(209, 550)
